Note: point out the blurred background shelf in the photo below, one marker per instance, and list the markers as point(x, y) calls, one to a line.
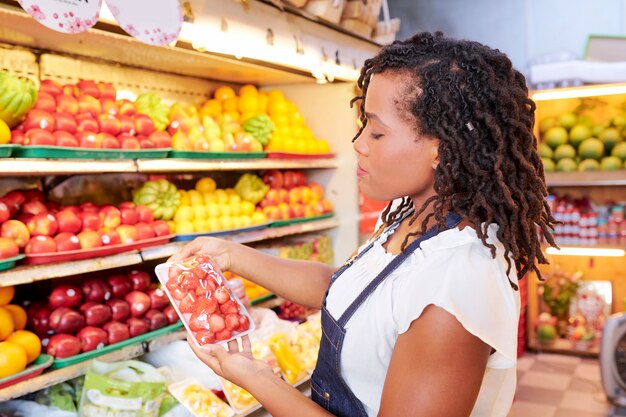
point(586, 178)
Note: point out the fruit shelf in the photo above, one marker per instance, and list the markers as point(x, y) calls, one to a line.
point(27, 274)
point(586, 178)
point(562, 346)
point(57, 376)
point(29, 167)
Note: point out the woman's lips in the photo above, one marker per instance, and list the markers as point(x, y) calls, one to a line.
point(360, 172)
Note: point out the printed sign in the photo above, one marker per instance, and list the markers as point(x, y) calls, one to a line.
point(68, 16)
point(156, 22)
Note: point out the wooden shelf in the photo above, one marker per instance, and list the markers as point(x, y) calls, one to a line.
point(57, 376)
point(198, 165)
point(587, 178)
point(30, 273)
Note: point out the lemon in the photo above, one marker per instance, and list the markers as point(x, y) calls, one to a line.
point(206, 185)
point(5, 133)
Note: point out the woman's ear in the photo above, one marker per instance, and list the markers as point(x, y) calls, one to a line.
point(434, 150)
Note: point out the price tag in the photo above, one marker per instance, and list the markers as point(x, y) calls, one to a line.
point(68, 16)
point(156, 22)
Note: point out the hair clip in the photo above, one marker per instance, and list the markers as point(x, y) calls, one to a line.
point(469, 126)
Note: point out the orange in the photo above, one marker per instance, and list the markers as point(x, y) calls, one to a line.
point(6, 295)
point(211, 107)
point(12, 359)
point(18, 314)
point(248, 89)
point(224, 92)
point(230, 104)
point(28, 341)
point(263, 101)
point(5, 133)
point(276, 94)
point(277, 106)
point(248, 104)
point(6, 323)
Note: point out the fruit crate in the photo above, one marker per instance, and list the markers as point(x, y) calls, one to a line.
point(19, 62)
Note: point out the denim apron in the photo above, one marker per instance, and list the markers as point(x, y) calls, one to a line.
point(328, 388)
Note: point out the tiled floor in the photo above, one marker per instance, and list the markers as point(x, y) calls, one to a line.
point(560, 386)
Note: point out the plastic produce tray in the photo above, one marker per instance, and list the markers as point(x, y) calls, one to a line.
point(7, 150)
point(290, 155)
point(10, 262)
point(81, 357)
point(216, 155)
point(42, 362)
point(298, 220)
point(87, 153)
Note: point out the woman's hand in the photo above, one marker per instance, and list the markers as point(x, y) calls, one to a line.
point(218, 249)
point(236, 365)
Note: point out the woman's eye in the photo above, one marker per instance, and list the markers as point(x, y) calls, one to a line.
point(376, 135)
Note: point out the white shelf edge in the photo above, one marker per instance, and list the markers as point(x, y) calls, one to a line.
point(195, 165)
point(36, 166)
point(586, 179)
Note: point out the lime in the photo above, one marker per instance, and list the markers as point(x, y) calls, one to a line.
point(568, 120)
point(548, 165)
point(566, 165)
point(589, 165)
point(564, 151)
point(546, 123)
point(578, 134)
point(620, 151)
point(555, 136)
point(610, 163)
point(591, 148)
point(597, 130)
point(610, 136)
point(544, 151)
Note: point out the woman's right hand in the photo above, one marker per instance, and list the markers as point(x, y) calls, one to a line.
point(218, 249)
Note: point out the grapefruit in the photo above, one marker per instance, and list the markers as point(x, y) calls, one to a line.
point(589, 165)
point(578, 134)
point(610, 163)
point(620, 151)
point(568, 120)
point(610, 137)
point(546, 123)
point(591, 148)
point(548, 165)
point(544, 151)
point(564, 151)
point(566, 165)
point(555, 136)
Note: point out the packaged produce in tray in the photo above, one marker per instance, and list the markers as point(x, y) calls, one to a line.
point(238, 398)
point(202, 298)
point(199, 400)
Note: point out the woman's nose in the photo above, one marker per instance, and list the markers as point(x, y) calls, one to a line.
point(359, 145)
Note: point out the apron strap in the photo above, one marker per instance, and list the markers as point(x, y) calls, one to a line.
point(452, 220)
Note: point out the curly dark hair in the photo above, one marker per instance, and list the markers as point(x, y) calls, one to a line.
point(471, 98)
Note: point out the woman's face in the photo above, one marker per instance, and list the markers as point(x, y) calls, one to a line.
point(393, 159)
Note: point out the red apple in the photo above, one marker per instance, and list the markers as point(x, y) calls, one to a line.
point(25, 218)
point(53, 207)
point(40, 244)
point(68, 221)
point(161, 228)
point(144, 124)
point(65, 122)
point(65, 139)
point(107, 91)
point(64, 295)
point(137, 326)
point(17, 137)
point(158, 299)
point(15, 230)
point(144, 214)
point(40, 320)
point(34, 207)
point(8, 248)
point(96, 314)
point(43, 224)
point(139, 303)
point(92, 338)
point(90, 220)
point(89, 239)
point(86, 123)
point(39, 137)
point(89, 207)
point(70, 90)
point(127, 125)
point(109, 124)
point(14, 199)
point(66, 320)
point(127, 233)
point(161, 139)
point(109, 237)
point(120, 285)
point(96, 290)
point(126, 107)
point(108, 141)
point(5, 212)
point(131, 143)
point(109, 106)
point(39, 119)
point(111, 216)
point(129, 215)
point(63, 346)
point(144, 231)
point(50, 87)
point(120, 309)
point(45, 102)
point(146, 143)
point(67, 104)
point(89, 88)
point(157, 319)
point(171, 314)
point(126, 204)
point(116, 331)
point(89, 140)
point(66, 242)
point(273, 178)
point(140, 279)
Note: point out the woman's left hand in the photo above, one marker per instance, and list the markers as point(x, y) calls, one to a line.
point(235, 364)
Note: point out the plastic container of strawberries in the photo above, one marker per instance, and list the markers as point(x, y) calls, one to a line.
point(204, 301)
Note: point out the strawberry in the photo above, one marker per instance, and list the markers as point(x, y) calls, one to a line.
point(189, 280)
point(199, 272)
point(223, 335)
point(199, 322)
point(187, 305)
point(216, 323)
point(174, 272)
point(244, 323)
point(207, 305)
point(175, 290)
point(222, 294)
point(229, 307)
point(205, 337)
point(232, 321)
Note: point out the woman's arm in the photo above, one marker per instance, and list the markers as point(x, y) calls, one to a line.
point(303, 282)
point(436, 369)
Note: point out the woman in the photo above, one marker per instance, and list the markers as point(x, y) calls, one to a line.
point(423, 321)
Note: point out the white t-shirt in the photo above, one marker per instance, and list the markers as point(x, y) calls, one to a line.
point(454, 271)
